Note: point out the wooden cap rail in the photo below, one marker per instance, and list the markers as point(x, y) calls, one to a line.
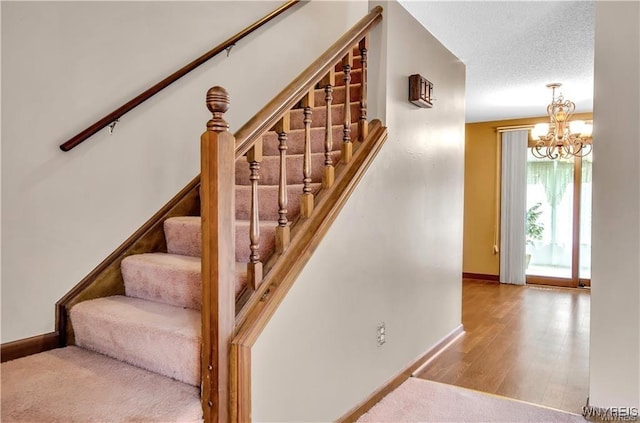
point(144, 96)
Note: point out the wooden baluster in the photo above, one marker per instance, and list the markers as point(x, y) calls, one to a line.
point(328, 176)
point(363, 126)
point(254, 267)
point(347, 146)
point(283, 234)
point(306, 202)
point(218, 257)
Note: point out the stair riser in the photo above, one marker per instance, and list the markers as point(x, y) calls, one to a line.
point(184, 236)
point(356, 62)
point(266, 241)
point(270, 169)
point(295, 140)
point(337, 95)
point(356, 77)
point(189, 243)
point(319, 116)
point(179, 286)
point(268, 201)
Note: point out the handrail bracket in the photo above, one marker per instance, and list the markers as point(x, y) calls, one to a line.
point(112, 126)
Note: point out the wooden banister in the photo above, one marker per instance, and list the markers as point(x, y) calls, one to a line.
point(269, 285)
point(144, 96)
point(266, 118)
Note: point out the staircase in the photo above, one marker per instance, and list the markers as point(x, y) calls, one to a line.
point(156, 324)
point(137, 356)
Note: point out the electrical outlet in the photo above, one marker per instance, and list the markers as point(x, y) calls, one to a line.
point(382, 334)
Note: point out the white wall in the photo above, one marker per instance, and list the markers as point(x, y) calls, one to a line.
point(615, 285)
point(67, 64)
point(393, 255)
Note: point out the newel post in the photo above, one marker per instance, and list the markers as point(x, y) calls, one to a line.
point(217, 199)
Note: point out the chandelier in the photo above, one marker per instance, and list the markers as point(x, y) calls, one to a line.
point(561, 138)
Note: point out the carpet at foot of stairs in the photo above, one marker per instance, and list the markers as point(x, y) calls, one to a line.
point(418, 400)
point(75, 385)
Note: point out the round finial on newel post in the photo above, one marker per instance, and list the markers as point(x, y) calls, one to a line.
point(218, 104)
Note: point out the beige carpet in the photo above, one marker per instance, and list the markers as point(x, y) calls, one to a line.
point(419, 400)
point(75, 385)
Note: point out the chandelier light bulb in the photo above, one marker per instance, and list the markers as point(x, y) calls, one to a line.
point(539, 131)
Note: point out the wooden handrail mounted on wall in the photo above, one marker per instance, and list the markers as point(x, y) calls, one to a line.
point(144, 96)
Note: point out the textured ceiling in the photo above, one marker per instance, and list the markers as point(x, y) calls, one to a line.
point(513, 49)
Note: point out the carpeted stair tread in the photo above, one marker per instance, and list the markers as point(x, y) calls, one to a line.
point(270, 168)
point(295, 140)
point(268, 201)
point(157, 337)
point(73, 385)
point(165, 278)
point(319, 116)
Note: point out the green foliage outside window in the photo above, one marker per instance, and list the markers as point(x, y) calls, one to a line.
point(534, 229)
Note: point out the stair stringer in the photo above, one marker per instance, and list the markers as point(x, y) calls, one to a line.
point(283, 269)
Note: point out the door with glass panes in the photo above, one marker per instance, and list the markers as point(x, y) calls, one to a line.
point(558, 222)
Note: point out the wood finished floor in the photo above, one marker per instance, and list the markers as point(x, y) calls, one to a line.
point(529, 343)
